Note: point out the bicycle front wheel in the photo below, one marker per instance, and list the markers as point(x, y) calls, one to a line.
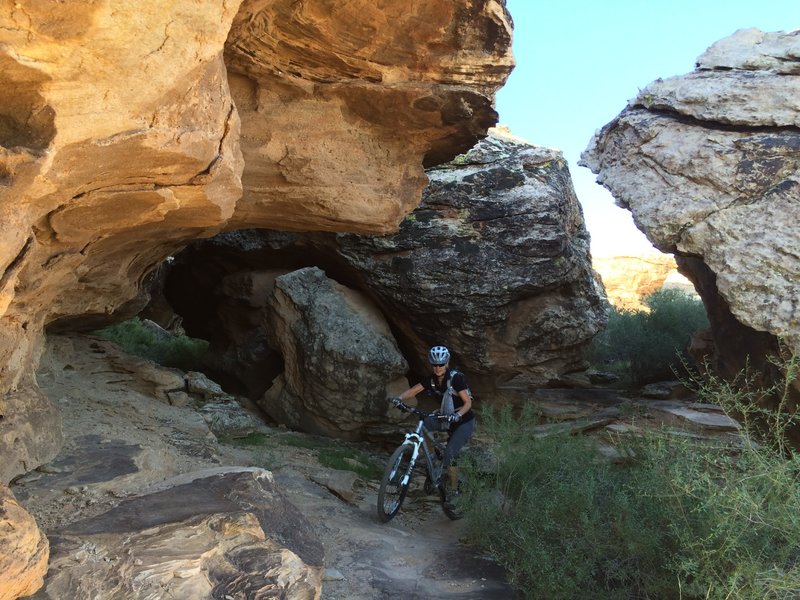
point(394, 483)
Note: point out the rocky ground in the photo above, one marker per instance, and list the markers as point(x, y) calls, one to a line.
point(131, 427)
point(122, 438)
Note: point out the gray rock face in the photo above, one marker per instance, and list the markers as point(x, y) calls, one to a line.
point(495, 263)
point(340, 359)
point(709, 165)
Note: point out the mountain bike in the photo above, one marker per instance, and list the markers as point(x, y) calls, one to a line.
point(400, 468)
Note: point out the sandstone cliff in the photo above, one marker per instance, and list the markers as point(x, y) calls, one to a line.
point(627, 280)
point(127, 130)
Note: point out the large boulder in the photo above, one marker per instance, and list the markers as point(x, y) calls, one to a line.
point(494, 263)
point(23, 561)
point(340, 358)
point(709, 165)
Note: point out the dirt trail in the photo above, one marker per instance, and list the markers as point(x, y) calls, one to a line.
point(119, 441)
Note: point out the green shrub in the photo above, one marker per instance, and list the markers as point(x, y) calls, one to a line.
point(564, 523)
point(648, 345)
point(678, 518)
point(182, 352)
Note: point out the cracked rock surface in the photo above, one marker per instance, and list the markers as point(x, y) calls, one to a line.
point(708, 163)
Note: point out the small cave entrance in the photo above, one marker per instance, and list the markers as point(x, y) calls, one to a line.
point(186, 299)
point(216, 289)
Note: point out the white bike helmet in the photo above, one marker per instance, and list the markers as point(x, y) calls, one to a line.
point(439, 355)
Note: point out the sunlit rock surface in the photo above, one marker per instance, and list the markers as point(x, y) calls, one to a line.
point(709, 165)
point(343, 104)
point(119, 143)
point(23, 559)
point(627, 280)
point(127, 130)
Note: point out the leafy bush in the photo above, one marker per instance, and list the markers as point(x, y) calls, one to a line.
point(678, 519)
point(182, 352)
point(648, 345)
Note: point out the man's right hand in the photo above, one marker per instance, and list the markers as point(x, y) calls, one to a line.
point(396, 401)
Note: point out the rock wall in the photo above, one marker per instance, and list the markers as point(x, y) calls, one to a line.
point(709, 165)
point(494, 263)
point(119, 144)
point(127, 131)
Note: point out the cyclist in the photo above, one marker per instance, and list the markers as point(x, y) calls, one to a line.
point(449, 386)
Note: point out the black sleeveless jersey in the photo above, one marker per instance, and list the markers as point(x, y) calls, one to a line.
point(458, 381)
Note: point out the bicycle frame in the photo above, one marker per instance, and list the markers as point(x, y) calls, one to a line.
point(418, 439)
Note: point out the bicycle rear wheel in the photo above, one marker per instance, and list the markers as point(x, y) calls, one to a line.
point(394, 483)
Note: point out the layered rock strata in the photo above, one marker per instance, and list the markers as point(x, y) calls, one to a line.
point(126, 131)
point(238, 537)
point(119, 143)
point(709, 165)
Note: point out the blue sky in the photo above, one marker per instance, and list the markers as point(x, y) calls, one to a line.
point(579, 62)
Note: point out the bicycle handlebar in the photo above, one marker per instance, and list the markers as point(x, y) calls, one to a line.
point(420, 413)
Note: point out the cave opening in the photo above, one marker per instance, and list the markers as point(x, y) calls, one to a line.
point(215, 289)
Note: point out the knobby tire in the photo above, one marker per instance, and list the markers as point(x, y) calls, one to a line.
point(392, 492)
